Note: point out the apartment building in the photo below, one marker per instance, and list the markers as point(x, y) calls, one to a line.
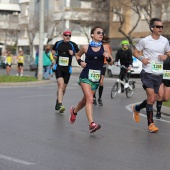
point(9, 10)
point(79, 16)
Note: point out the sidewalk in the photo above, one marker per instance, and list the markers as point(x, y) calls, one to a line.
point(164, 110)
point(30, 83)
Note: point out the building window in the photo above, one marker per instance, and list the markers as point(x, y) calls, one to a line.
point(25, 33)
point(86, 5)
point(26, 10)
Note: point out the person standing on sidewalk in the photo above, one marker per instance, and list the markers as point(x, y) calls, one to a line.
point(36, 63)
point(155, 49)
point(8, 62)
point(47, 62)
point(20, 61)
point(164, 90)
point(105, 41)
point(64, 51)
point(89, 79)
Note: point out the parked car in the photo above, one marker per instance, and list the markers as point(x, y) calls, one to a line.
point(114, 70)
point(2, 62)
point(32, 66)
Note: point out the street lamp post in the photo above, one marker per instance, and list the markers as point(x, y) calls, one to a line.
point(41, 40)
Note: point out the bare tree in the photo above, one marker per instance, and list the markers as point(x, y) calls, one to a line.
point(146, 9)
point(123, 9)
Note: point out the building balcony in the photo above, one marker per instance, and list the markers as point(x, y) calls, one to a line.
point(23, 1)
point(10, 8)
point(80, 14)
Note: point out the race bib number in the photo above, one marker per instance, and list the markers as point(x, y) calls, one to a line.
point(21, 60)
point(63, 61)
point(94, 75)
point(166, 74)
point(157, 67)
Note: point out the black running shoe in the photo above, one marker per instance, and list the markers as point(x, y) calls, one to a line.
point(57, 107)
point(94, 101)
point(158, 115)
point(100, 102)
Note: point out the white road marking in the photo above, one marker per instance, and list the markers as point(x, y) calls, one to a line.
point(128, 107)
point(15, 160)
point(36, 96)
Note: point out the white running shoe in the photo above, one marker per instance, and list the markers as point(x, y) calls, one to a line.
point(126, 85)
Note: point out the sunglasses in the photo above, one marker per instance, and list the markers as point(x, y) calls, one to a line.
point(158, 26)
point(98, 32)
point(67, 35)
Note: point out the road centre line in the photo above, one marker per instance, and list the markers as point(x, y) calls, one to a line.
point(36, 96)
point(15, 160)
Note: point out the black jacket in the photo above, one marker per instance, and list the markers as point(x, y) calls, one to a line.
point(125, 57)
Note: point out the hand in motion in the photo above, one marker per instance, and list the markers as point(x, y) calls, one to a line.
point(71, 52)
point(145, 61)
point(115, 63)
point(83, 64)
point(162, 57)
point(105, 54)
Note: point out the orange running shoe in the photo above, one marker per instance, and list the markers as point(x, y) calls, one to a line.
point(152, 128)
point(136, 116)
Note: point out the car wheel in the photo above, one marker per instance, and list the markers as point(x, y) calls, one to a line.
point(109, 73)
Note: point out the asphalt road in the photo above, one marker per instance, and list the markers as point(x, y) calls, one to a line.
point(35, 137)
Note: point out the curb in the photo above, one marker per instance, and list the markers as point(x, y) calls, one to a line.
point(164, 110)
point(30, 83)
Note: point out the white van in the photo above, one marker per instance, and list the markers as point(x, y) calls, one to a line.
point(114, 70)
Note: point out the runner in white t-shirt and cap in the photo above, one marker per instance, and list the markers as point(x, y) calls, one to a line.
point(155, 49)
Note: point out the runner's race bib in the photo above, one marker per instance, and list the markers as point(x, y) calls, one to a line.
point(21, 60)
point(63, 61)
point(157, 67)
point(94, 75)
point(166, 74)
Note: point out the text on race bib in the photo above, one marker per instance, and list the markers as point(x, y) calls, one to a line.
point(157, 67)
point(166, 74)
point(63, 61)
point(94, 75)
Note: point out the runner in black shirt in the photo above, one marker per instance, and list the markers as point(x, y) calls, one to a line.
point(164, 89)
point(64, 50)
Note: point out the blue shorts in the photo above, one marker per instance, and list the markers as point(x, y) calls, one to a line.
point(151, 81)
point(94, 85)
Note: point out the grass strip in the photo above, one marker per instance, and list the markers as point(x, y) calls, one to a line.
point(11, 79)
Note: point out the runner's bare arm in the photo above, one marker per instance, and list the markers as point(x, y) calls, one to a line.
point(108, 55)
point(140, 57)
point(79, 54)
